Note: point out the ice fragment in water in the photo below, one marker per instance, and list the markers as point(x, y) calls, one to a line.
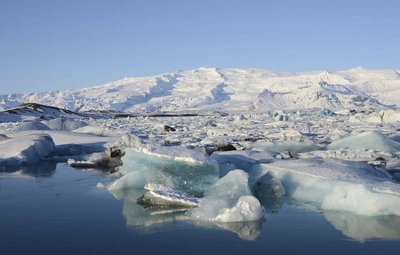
point(161, 195)
point(228, 200)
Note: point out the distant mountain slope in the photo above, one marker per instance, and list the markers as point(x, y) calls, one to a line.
point(228, 89)
point(31, 111)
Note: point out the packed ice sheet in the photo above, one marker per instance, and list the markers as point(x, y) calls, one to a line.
point(336, 185)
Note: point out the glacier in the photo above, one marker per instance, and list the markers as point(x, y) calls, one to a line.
point(225, 89)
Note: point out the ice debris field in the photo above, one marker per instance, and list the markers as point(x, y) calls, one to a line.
point(231, 167)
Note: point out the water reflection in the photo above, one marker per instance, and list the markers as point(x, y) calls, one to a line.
point(153, 218)
point(136, 215)
point(249, 230)
point(358, 227)
point(363, 228)
point(39, 169)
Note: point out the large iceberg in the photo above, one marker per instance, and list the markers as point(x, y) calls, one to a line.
point(175, 166)
point(336, 185)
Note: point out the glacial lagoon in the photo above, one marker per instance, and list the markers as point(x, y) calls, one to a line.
point(52, 208)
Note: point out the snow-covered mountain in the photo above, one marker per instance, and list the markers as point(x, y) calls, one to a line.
point(228, 89)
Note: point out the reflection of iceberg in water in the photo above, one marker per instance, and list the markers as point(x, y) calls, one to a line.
point(363, 228)
point(38, 169)
point(137, 216)
point(248, 230)
point(150, 220)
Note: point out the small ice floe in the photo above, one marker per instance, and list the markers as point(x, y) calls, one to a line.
point(166, 199)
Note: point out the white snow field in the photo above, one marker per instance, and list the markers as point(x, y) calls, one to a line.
point(328, 141)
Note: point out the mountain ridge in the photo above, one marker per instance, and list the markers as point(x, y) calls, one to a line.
point(225, 89)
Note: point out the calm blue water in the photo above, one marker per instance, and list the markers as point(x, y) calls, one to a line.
point(55, 209)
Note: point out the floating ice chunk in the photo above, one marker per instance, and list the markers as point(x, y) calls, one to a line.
point(366, 118)
point(177, 167)
point(292, 134)
point(98, 130)
point(247, 208)
point(349, 154)
point(336, 185)
point(344, 112)
point(25, 150)
point(389, 116)
point(137, 215)
point(161, 195)
point(268, 186)
point(240, 117)
point(282, 146)
point(243, 159)
point(65, 124)
point(131, 180)
point(368, 140)
point(394, 162)
point(30, 126)
point(228, 200)
point(127, 140)
point(280, 116)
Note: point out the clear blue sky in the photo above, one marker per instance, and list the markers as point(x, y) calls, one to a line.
point(71, 44)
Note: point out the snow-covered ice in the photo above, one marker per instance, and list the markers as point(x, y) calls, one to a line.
point(337, 185)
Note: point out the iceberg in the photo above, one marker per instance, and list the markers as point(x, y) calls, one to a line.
point(336, 185)
point(228, 200)
point(131, 180)
point(243, 160)
point(26, 149)
point(175, 166)
point(283, 146)
point(368, 140)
